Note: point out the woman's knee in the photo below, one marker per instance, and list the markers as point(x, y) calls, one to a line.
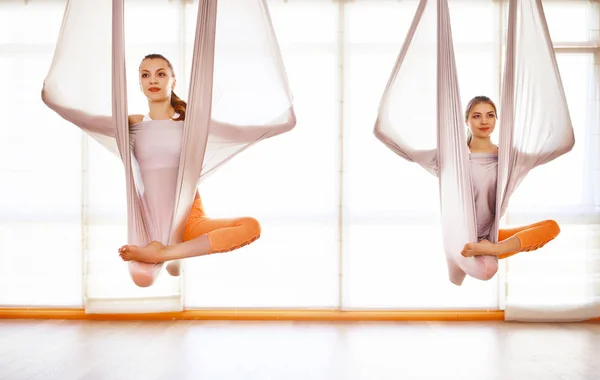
point(246, 230)
point(553, 227)
point(251, 225)
point(143, 275)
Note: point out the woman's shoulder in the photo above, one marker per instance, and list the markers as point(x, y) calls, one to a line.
point(135, 119)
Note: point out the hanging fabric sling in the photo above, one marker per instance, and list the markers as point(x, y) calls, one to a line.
point(535, 125)
point(237, 78)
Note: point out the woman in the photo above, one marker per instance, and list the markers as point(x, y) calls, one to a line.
point(480, 117)
point(156, 139)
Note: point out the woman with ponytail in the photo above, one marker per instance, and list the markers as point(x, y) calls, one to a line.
point(157, 82)
point(156, 140)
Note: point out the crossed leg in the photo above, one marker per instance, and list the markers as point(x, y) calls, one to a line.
point(514, 240)
point(202, 236)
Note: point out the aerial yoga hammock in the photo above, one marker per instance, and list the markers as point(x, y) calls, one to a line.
point(238, 95)
point(535, 128)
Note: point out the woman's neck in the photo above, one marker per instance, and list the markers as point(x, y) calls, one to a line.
point(161, 110)
point(482, 145)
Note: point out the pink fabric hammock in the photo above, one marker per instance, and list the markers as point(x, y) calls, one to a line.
point(238, 94)
point(535, 125)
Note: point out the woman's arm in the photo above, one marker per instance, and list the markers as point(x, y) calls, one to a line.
point(427, 158)
point(102, 125)
point(540, 149)
point(549, 153)
point(250, 133)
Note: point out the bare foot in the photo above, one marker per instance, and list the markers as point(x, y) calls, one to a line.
point(174, 268)
point(151, 254)
point(483, 247)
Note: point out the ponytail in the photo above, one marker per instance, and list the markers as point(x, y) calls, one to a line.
point(179, 106)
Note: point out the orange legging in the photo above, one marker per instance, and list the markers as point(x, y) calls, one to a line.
point(224, 235)
point(532, 237)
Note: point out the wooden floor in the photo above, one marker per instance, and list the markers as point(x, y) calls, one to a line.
point(165, 350)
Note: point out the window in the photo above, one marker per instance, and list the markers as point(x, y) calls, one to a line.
point(393, 255)
point(289, 183)
point(566, 189)
point(345, 222)
point(40, 169)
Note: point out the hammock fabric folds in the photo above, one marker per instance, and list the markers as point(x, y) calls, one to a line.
point(534, 120)
point(238, 92)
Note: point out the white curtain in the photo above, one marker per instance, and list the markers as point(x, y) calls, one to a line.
point(294, 264)
point(108, 286)
point(561, 282)
point(41, 224)
point(342, 236)
point(393, 254)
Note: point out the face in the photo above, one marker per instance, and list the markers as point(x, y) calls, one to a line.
point(482, 120)
point(156, 79)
